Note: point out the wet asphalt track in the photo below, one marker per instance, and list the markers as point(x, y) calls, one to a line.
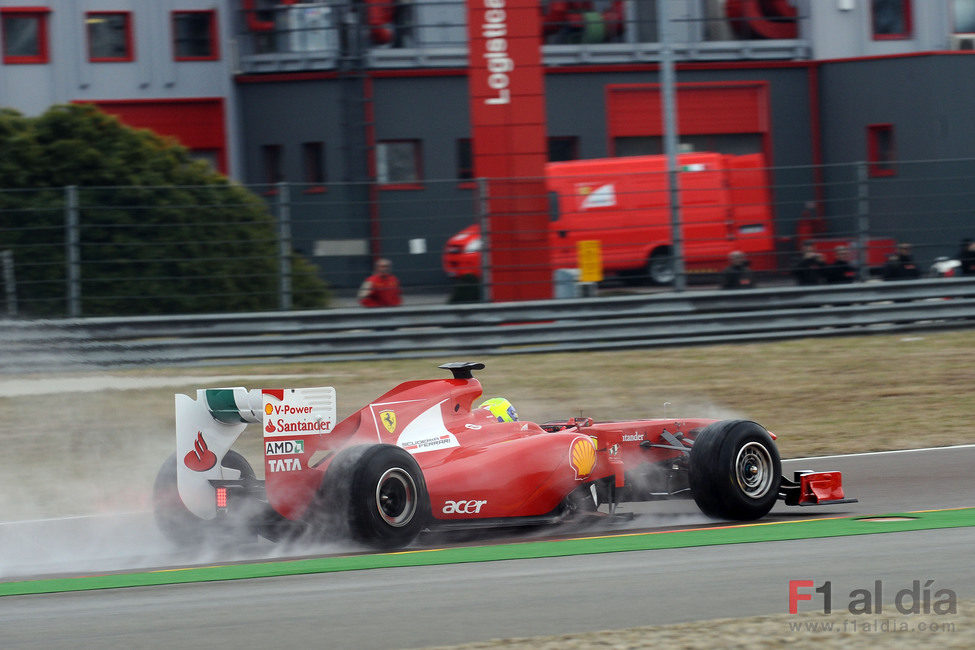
point(421, 606)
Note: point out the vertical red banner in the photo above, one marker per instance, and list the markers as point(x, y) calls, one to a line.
point(507, 102)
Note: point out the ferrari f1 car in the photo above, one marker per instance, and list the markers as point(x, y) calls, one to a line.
point(422, 457)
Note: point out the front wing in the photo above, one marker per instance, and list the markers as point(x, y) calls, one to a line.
point(809, 488)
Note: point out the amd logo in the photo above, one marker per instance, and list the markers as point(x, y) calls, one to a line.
point(284, 447)
point(471, 507)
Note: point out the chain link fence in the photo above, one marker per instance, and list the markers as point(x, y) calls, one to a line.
point(81, 251)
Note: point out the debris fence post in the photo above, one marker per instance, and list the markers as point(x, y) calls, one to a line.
point(72, 243)
point(863, 221)
point(9, 281)
point(284, 246)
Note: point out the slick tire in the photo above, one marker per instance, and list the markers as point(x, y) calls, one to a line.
point(735, 470)
point(178, 524)
point(374, 495)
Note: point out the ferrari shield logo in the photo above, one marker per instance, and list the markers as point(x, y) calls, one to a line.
point(388, 418)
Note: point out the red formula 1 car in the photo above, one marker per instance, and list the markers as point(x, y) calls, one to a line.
point(422, 456)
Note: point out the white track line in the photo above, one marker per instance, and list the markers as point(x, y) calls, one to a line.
point(877, 453)
point(48, 520)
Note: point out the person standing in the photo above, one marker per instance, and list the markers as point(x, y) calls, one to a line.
point(901, 265)
point(842, 270)
point(966, 257)
point(811, 268)
point(738, 273)
point(381, 289)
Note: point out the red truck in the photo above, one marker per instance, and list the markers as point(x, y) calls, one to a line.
point(624, 204)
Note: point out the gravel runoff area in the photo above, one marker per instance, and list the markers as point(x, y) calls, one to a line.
point(814, 631)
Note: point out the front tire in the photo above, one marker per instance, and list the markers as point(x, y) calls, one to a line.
point(735, 470)
point(375, 495)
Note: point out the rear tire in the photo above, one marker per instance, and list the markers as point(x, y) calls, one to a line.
point(374, 495)
point(735, 470)
point(178, 524)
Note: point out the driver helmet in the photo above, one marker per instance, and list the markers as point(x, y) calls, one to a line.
point(501, 409)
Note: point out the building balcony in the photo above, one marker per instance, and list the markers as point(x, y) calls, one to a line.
point(433, 34)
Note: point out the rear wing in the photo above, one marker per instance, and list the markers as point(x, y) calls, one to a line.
point(208, 426)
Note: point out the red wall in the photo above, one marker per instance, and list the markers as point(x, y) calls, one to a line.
point(702, 108)
point(195, 123)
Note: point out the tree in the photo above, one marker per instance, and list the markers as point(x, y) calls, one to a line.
point(158, 231)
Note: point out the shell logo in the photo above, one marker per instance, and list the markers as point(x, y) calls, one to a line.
point(268, 409)
point(582, 456)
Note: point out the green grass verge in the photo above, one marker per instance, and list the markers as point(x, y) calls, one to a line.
point(611, 543)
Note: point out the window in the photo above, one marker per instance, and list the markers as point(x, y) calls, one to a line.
point(24, 34)
point(586, 22)
point(195, 36)
point(109, 36)
point(271, 157)
point(313, 159)
point(737, 144)
point(398, 162)
point(880, 149)
point(891, 19)
point(964, 16)
point(562, 148)
point(465, 160)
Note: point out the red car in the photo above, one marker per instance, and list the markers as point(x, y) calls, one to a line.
point(422, 457)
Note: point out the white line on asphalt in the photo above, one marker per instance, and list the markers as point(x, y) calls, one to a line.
point(48, 520)
point(877, 453)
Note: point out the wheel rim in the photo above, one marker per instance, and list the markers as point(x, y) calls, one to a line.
point(396, 497)
point(753, 470)
point(661, 270)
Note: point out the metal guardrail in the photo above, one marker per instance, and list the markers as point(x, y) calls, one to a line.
point(452, 331)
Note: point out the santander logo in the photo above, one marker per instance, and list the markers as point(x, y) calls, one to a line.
point(201, 458)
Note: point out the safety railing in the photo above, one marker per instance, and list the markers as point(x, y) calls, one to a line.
point(476, 330)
